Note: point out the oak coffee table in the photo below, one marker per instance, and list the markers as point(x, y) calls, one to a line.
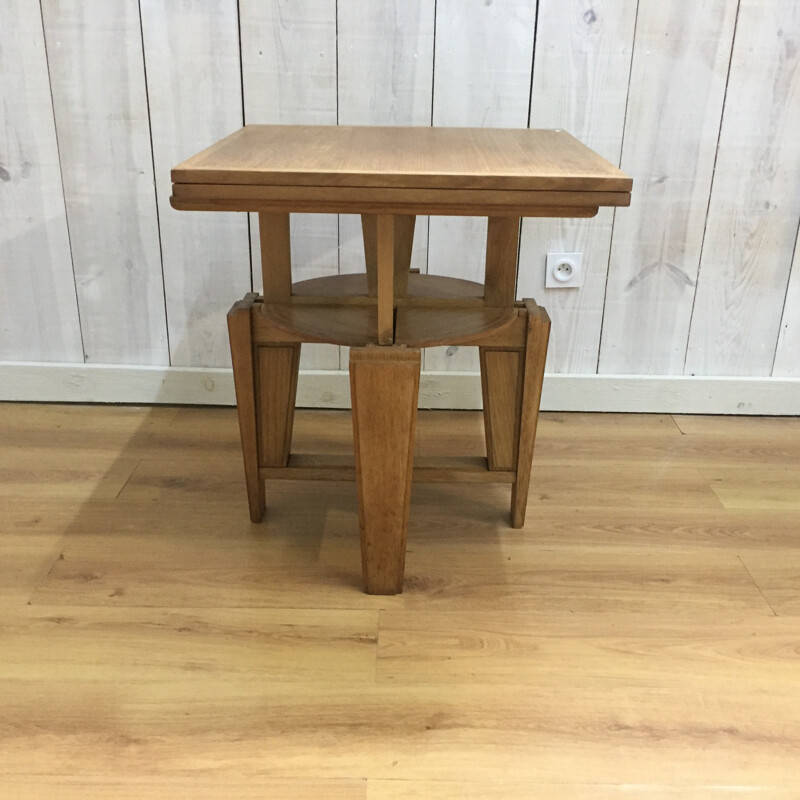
point(388, 313)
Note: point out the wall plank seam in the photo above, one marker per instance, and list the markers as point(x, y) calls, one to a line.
point(711, 187)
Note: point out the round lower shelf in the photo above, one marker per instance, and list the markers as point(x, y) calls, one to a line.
point(353, 286)
point(436, 311)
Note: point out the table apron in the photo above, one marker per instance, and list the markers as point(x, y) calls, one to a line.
point(368, 200)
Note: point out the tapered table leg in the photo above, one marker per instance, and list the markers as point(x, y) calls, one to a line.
point(384, 385)
point(536, 340)
point(276, 385)
point(241, 339)
point(501, 384)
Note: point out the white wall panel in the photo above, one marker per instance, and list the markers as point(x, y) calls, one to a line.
point(787, 356)
point(38, 308)
point(701, 275)
point(194, 87)
point(98, 86)
point(482, 78)
point(580, 83)
point(680, 65)
point(755, 202)
point(289, 74)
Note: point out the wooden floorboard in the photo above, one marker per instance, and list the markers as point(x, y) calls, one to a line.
point(638, 638)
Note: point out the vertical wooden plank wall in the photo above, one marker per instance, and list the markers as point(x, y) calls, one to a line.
point(755, 202)
point(482, 77)
point(35, 261)
point(699, 102)
point(580, 82)
point(191, 52)
point(289, 77)
point(787, 355)
point(99, 96)
point(680, 65)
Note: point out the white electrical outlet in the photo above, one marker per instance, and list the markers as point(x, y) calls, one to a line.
point(563, 271)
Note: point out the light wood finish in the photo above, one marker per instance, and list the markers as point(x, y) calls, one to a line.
point(353, 325)
point(403, 241)
point(403, 158)
point(384, 273)
point(276, 390)
point(369, 231)
point(356, 324)
point(500, 275)
point(242, 356)
point(533, 375)
point(430, 327)
point(166, 649)
point(389, 175)
point(131, 788)
point(384, 388)
point(276, 257)
point(462, 469)
point(501, 386)
point(421, 290)
point(360, 200)
point(404, 225)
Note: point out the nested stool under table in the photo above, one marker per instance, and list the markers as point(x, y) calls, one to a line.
point(387, 314)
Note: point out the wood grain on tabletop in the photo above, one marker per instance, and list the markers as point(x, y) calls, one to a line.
point(437, 158)
point(635, 633)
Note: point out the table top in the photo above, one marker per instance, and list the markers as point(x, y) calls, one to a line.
point(462, 158)
point(427, 170)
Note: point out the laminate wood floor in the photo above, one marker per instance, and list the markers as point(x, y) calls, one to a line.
point(639, 638)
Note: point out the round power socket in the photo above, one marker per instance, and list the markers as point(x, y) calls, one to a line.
point(563, 271)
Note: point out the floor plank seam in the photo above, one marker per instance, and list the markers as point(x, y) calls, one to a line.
point(130, 475)
point(755, 583)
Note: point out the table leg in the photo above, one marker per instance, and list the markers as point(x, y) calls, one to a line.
point(536, 340)
point(241, 339)
point(384, 386)
point(276, 381)
point(403, 243)
point(501, 383)
point(511, 380)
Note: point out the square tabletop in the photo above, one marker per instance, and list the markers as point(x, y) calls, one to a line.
point(394, 169)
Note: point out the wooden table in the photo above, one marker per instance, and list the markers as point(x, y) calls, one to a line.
point(386, 314)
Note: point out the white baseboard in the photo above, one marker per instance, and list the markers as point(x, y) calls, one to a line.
point(79, 383)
